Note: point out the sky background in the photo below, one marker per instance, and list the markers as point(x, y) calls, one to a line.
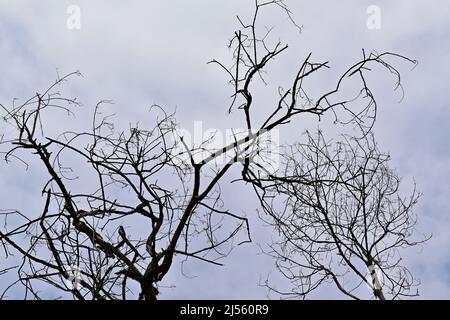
point(137, 53)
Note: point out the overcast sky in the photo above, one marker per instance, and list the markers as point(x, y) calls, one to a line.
point(137, 53)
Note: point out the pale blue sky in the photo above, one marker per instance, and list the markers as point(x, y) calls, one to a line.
point(142, 52)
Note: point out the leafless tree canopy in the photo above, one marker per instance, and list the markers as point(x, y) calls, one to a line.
point(89, 229)
point(345, 219)
point(132, 180)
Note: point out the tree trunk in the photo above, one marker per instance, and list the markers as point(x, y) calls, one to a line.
point(376, 285)
point(149, 292)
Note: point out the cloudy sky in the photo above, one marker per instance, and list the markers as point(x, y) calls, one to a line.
point(137, 53)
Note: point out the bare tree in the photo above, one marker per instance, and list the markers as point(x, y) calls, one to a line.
point(345, 219)
point(88, 228)
point(133, 179)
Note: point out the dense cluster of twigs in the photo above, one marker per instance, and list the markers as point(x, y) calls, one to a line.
point(344, 219)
